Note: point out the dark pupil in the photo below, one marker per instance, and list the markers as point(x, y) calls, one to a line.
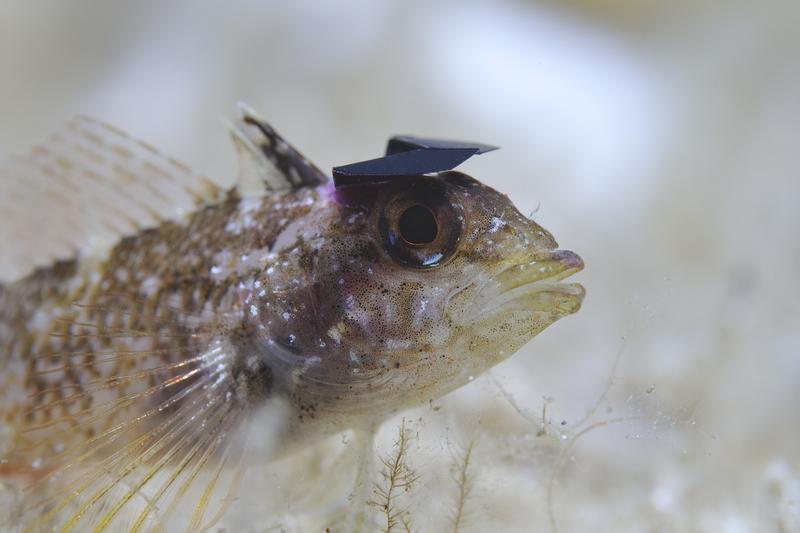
point(418, 225)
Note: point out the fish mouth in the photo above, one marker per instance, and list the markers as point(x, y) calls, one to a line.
point(534, 286)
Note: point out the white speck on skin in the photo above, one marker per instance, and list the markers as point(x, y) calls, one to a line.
point(335, 334)
point(497, 223)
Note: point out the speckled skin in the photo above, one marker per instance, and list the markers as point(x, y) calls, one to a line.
point(82, 334)
point(360, 336)
point(300, 292)
point(160, 352)
point(135, 377)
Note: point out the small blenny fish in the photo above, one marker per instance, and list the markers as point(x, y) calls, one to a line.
point(152, 318)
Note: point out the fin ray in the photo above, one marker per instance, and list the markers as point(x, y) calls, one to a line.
point(152, 436)
point(267, 162)
point(84, 188)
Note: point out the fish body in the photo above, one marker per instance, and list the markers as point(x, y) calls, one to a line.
point(141, 369)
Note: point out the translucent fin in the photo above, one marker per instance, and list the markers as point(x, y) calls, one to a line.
point(267, 162)
point(149, 441)
point(85, 187)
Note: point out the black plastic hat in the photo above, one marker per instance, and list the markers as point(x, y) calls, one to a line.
point(407, 155)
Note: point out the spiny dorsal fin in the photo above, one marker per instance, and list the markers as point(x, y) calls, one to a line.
point(267, 162)
point(83, 189)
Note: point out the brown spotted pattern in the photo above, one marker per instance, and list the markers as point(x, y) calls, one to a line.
point(117, 370)
point(86, 347)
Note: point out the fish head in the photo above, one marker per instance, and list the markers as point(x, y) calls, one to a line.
point(435, 278)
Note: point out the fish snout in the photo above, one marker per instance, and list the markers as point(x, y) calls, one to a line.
point(569, 261)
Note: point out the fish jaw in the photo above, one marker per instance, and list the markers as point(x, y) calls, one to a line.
point(532, 285)
point(503, 311)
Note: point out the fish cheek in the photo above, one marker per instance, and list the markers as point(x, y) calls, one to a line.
point(342, 308)
point(367, 305)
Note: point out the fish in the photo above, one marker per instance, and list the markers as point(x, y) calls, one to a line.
point(159, 333)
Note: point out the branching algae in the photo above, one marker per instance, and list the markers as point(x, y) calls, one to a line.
point(159, 335)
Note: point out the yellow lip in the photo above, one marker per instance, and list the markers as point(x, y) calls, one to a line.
point(533, 286)
point(552, 266)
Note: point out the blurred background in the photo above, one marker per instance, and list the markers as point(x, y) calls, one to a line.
point(658, 139)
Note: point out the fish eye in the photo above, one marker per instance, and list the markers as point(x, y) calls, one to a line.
point(421, 224)
point(417, 225)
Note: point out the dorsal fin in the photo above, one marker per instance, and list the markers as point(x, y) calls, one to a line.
point(267, 162)
point(83, 189)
